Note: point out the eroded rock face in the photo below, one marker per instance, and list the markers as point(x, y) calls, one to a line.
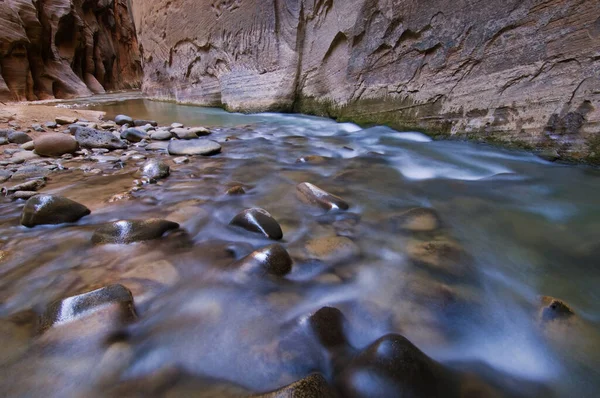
point(514, 72)
point(66, 48)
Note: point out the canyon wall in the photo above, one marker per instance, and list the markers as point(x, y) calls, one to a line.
point(66, 48)
point(516, 72)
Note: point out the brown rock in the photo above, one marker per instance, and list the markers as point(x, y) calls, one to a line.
point(272, 259)
point(259, 221)
point(55, 144)
point(312, 386)
point(334, 249)
point(130, 231)
point(51, 209)
point(313, 195)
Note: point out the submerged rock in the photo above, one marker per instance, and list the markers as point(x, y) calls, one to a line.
point(123, 119)
point(106, 300)
point(236, 190)
point(313, 195)
point(155, 170)
point(194, 147)
point(312, 386)
point(439, 254)
point(55, 144)
point(130, 231)
point(259, 221)
point(91, 138)
point(333, 249)
point(51, 209)
point(418, 219)
point(273, 259)
point(133, 135)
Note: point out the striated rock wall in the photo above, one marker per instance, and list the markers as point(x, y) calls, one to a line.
point(66, 48)
point(522, 72)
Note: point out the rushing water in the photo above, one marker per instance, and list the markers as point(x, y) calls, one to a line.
point(528, 228)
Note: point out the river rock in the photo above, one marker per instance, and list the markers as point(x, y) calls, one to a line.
point(273, 259)
point(139, 122)
point(184, 133)
point(65, 120)
point(5, 175)
point(51, 209)
point(440, 254)
point(31, 171)
point(130, 231)
point(31, 185)
point(24, 195)
point(116, 301)
point(328, 326)
point(194, 147)
point(55, 144)
point(312, 159)
point(28, 146)
point(181, 160)
point(236, 190)
point(123, 119)
point(155, 170)
point(176, 125)
point(51, 125)
point(161, 135)
point(312, 386)
point(91, 138)
point(332, 249)
point(133, 135)
point(313, 195)
point(18, 137)
point(259, 221)
point(157, 146)
point(3, 140)
point(23, 156)
point(38, 127)
point(418, 219)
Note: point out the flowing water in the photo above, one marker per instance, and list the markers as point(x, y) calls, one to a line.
point(525, 228)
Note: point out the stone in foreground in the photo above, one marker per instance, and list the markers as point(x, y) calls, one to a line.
point(259, 221)
point(51, 209)
point(313, 195)
point(106, 299)
point(312, 386)
point(155, 170)
point(55, 144)
point(194, 147)
point(273, 259)
point(91, 138)
point(130, 231)
point(18, 137)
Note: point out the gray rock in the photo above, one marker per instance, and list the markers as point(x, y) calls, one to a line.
point(259, 221)
point(91, 138)
point(51, 209)
point(161, 135)
point(31, 185)
point(273, 259)
point(133, 135)
point(18, 137)
point(155, 170)
point(51, 125)
point(123, 119)
point(65, 120)
point(31, 171)
point(176, 125)
point(194, 147)
point(312, 386)
point(184, 133)
point(181, 160)
point(3, 140)
point(23, 156)
point(5, 175)
point(313, 195)
point(145, 122)
point(105, 159)
point(115, 298)
point(38, 128)
point(157, 146)
point(130, 231)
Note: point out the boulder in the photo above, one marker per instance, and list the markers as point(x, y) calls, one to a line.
point(91, 138)
point(51, 209)
point(55, 144)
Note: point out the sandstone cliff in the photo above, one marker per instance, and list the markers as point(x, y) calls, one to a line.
point(525, 72)
point(66, 48)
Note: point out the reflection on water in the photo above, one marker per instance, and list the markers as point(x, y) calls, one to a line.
point(525, 228)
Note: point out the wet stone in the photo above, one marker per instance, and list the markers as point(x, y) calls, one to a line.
point(55, 144)
point(439, 254)
point(145, 122)
point(181, 160)
point(24, 195)
point(51, 209)
point(184, 133)
point(176, 125)
point(91, 138)
point(312, 159)
point(328, 326)
point(28, 146)
point(554, 309)
point(312, 386)
point(259, 221)
point(273, 259)
point(4, 175)
point(236, 190)
point(194, 147)
point(123, 119)
point(27, 172)
point(418, 219)
point(313, 195)
point(333, 249)
point(157, 146)
point(133, 135)
point(31, 185)
point(155, 170)
point(38, 127)
point(130, 231)
point(18, 137)
point(83, 305)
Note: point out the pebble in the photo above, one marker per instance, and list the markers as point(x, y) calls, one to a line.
point(133, 135)
point(51, 125)
point(65, 120)
point(114, 299)
point(333, 249)
point(123, 119)
point(155, 170)
point(313, 195)
point(273, 259)
point(91, 138)
point(38, 128)
point(130, 231)
point(259, 221)
point(18, 137)
point(55, 144)
point(194, 147)
point(47, 209)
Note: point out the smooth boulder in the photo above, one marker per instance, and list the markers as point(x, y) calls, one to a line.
point(194, 147)
point(55, 144)
point(272, 259)
point(123, 119)
point(133, 135)
point(258, 221)
point(47, 209)
point(130, 231)
point(161, 135)
point(313, 195)
point(91, 138)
